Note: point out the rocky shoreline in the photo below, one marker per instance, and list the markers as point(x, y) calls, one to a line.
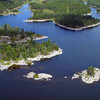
point(7, 64)
point(3, 38)
point(39, 21)
point(69, 28)
point(40, 76)
point(77, 29)
point(88, 79)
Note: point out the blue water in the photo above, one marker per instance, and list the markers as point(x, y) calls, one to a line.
point(81, 49)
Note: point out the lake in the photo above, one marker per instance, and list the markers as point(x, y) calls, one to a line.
point(81, 49)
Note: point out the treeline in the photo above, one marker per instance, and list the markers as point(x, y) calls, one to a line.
point(7, 30)
point(26, 50)
point(95, 3)
point(9, 4)
point(76, 21)
point(53, 8)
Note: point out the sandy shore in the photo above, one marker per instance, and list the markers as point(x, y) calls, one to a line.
point(40, 21)
point(5, 65)
point(77, 29)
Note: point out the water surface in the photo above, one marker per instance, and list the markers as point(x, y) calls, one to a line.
point(81, 49)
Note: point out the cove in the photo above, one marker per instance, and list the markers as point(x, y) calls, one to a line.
point(81, 49)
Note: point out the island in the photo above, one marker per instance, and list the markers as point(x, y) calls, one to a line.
point(40, 76)
point(23, 50)
point(89, 76)
point(72, 15)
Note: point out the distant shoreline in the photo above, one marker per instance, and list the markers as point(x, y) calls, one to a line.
point(40, 21)
point(77, 29)
point(69, 28)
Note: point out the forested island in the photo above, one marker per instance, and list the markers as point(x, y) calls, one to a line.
point(10, 6)
point(69, 14)
point(14, 35)
point(19, 48)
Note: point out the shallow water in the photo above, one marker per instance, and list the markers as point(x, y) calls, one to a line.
point(81, 49)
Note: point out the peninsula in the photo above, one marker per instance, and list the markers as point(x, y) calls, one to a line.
point(24, 52)
point(14, 35)
point(76, 18)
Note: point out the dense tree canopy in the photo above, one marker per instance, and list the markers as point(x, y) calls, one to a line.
point(9, 4)
point(75, 21)
point(53, 8)
point(25, 50)
point(95, 3)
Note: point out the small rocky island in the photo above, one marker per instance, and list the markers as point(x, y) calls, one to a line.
point(89, 76)
point(40, 76)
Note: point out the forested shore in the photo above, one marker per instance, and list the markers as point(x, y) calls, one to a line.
point(70, 14)
point(14, 35)
point(10, 6)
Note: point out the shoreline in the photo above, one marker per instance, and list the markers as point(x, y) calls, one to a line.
point(88, 79)
point(77, 29)
point(5, 13)
point(69, 28)
point(29, 60)
point(39, 21)
point(88, 14)
point(25, 39)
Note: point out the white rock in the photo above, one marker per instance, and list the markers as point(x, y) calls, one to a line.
point(41, 76)
point(65, 77)
point(75, 76)
point(38, 58)
point(30, 75)
point(87, 78)
point(44, 76)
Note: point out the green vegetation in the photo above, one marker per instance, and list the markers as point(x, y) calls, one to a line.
point(95, 3)
point(98, 10)
point(9, 34)
point(69, 13)
point(8, 5)
point(76, 21)
point(36, 76)
point(54, 8)
point(90, 71)
point(24, 50)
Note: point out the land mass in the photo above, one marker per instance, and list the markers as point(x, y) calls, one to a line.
point(65, 16)
point(20, 48)
point(14, 35)
point(10, 6)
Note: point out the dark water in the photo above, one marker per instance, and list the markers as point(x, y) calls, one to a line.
point(81, 49)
